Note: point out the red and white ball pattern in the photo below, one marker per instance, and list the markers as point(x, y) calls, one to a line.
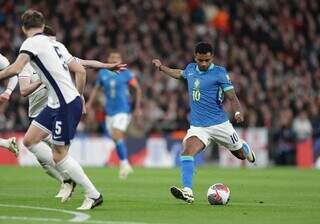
point(218, 194)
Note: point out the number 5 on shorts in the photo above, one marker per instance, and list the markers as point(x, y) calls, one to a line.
point(58, 127)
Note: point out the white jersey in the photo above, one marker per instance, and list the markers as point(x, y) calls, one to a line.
point(39, 98)
point(3, 62)
point(49, 61)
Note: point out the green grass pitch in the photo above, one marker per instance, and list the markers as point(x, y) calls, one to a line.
point(273, 195)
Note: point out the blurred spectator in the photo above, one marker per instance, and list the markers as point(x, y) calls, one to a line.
point(284, 139)
point(302, 126)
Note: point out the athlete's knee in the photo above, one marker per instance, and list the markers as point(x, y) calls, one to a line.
point(117, 135)
point(28, 142)
point(189, 150)
point(59, 154)
point(192, 146)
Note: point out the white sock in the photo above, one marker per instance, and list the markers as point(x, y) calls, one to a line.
point(189, 190)
point(4, 143)
point(124, 162)
point(73, 169)
point(43, 154)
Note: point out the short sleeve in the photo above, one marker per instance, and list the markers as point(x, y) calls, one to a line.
point(29, 47)
point(65, 53)
point(225, 81)
point(184, 72)
point(99, 79)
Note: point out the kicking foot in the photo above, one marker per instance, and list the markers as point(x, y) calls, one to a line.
point(66, 190)
point(182, 194)
point(90, 203)
point(251, 157)
point(124, 171)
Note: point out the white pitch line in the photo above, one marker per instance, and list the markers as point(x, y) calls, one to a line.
point(112, 222)
point(78, 216)
point(30, 219)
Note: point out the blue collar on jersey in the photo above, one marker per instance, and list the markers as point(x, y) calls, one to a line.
point(210, 67)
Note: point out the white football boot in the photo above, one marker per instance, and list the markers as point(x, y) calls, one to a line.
point(251, 157)
point(125, 170)
point(184, 194)
point(90, 203)
point(66, 190)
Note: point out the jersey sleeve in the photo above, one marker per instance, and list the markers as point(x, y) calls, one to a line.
point(185, 71)
point(65, 53)
point(224, 81)
point(4, 62)
point(29, 47)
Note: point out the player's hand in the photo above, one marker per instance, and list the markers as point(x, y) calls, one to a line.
point(117, 66)
point(84, 110)
point(4, 97)
point(239, 117)
point(157, 63)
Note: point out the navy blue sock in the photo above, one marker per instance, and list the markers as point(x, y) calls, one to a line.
point(187, 169)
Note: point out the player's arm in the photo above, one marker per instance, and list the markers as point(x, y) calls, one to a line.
point(80, 75)
point(134, 85)
point(174, 73)
point(16, 67)
point(12, 83)
point(26, 87)
point(80, 79)
point(98, 64)
point(235, 105)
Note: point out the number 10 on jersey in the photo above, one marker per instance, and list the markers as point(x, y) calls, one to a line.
point(196, 95)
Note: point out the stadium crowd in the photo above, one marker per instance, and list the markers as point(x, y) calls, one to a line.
point(271, 49)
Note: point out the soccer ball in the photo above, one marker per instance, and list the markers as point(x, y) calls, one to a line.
point(218, 194)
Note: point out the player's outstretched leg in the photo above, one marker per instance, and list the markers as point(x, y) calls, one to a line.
point(192, 145)
point(10, 144)
point(245, 152)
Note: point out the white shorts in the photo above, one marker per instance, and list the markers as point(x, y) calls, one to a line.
point(119, 121)
point(223, 134)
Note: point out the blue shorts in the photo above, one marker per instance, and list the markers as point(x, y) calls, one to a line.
point(61, 122)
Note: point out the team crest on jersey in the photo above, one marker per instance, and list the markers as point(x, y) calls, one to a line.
point(196, 95)
point(196, 84)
